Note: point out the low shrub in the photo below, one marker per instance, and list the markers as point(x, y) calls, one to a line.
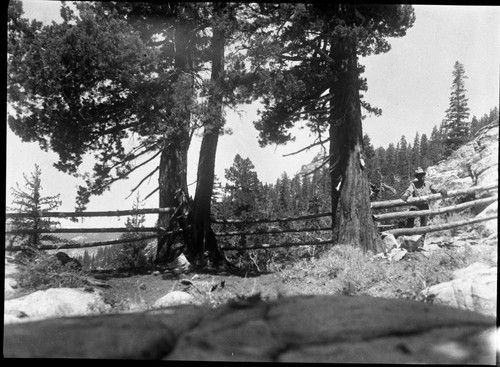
point(46, 271)
point(129, 255)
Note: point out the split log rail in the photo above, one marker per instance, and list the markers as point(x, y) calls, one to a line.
point(157, 231)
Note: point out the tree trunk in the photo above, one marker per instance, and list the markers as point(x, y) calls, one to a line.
point(173, 190)
point(204, 241)
point(351, 213)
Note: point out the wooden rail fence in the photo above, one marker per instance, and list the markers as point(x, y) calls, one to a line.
point(157, 231)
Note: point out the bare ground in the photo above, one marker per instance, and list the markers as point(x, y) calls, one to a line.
point(142, 287)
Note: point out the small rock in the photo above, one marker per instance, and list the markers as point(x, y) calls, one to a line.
point(180, 263)
point(142, 286)
point(397, 254)
point(411, 243)
point(156, 272)
point(21, 315)
point(174, 298)
point(389, 242)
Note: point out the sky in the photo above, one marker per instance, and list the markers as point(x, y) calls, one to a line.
point(411, 84)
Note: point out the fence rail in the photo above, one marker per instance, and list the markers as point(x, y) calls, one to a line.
point(424, 199)
point(447, 209)
point(158, 231)
point(440, 227)
point(112, 213)
point(83, 245)
point(84, 230)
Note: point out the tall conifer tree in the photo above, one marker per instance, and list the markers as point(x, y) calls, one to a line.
point(30, 199)
point(456, 124)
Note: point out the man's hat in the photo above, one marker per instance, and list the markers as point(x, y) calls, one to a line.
point(419, 171)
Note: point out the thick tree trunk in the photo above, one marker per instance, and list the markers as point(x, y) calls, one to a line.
point(173, 188)
point(173, 191)
point(204, 242)
point(351, 213)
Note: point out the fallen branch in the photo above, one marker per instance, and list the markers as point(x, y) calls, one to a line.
point(265, 220)
point(272, 231)
point(448, 209)
point(440, 227)
point(284, 244)
point(432, 197)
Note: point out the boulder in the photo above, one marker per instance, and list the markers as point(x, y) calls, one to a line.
point(174, 298)
point(491, 226)
point(52, 303)
point(309, 329)
point(389, 242)
point(473, 288)
point(411, 243)
point(180, 263)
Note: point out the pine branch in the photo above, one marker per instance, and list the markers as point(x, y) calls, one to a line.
point(321, 142)
point(144, 179)
point(151, 193)
point(325, 161)
point(114, 179)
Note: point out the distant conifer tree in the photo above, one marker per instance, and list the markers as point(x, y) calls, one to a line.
point(456, 124)
point(30, 199)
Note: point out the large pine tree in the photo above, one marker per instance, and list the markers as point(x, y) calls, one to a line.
point(313, 75)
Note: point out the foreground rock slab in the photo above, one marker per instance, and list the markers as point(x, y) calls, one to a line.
point(472, 288)
point(53, 303)
point(342, 329)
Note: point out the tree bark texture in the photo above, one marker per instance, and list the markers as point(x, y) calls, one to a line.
point(173, 191)
point(351, 214)
point(204, 241)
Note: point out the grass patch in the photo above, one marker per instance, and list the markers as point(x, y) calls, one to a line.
point(348, 271)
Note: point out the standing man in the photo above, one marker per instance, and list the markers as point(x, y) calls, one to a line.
point(418, 188)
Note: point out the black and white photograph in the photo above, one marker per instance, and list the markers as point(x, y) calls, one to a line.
point(302, 182)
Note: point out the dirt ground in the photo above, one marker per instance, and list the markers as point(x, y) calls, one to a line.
point(141, 288)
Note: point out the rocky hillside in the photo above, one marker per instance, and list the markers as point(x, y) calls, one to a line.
point(474, 164)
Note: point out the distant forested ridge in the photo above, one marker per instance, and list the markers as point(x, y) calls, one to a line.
point(308, 191)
